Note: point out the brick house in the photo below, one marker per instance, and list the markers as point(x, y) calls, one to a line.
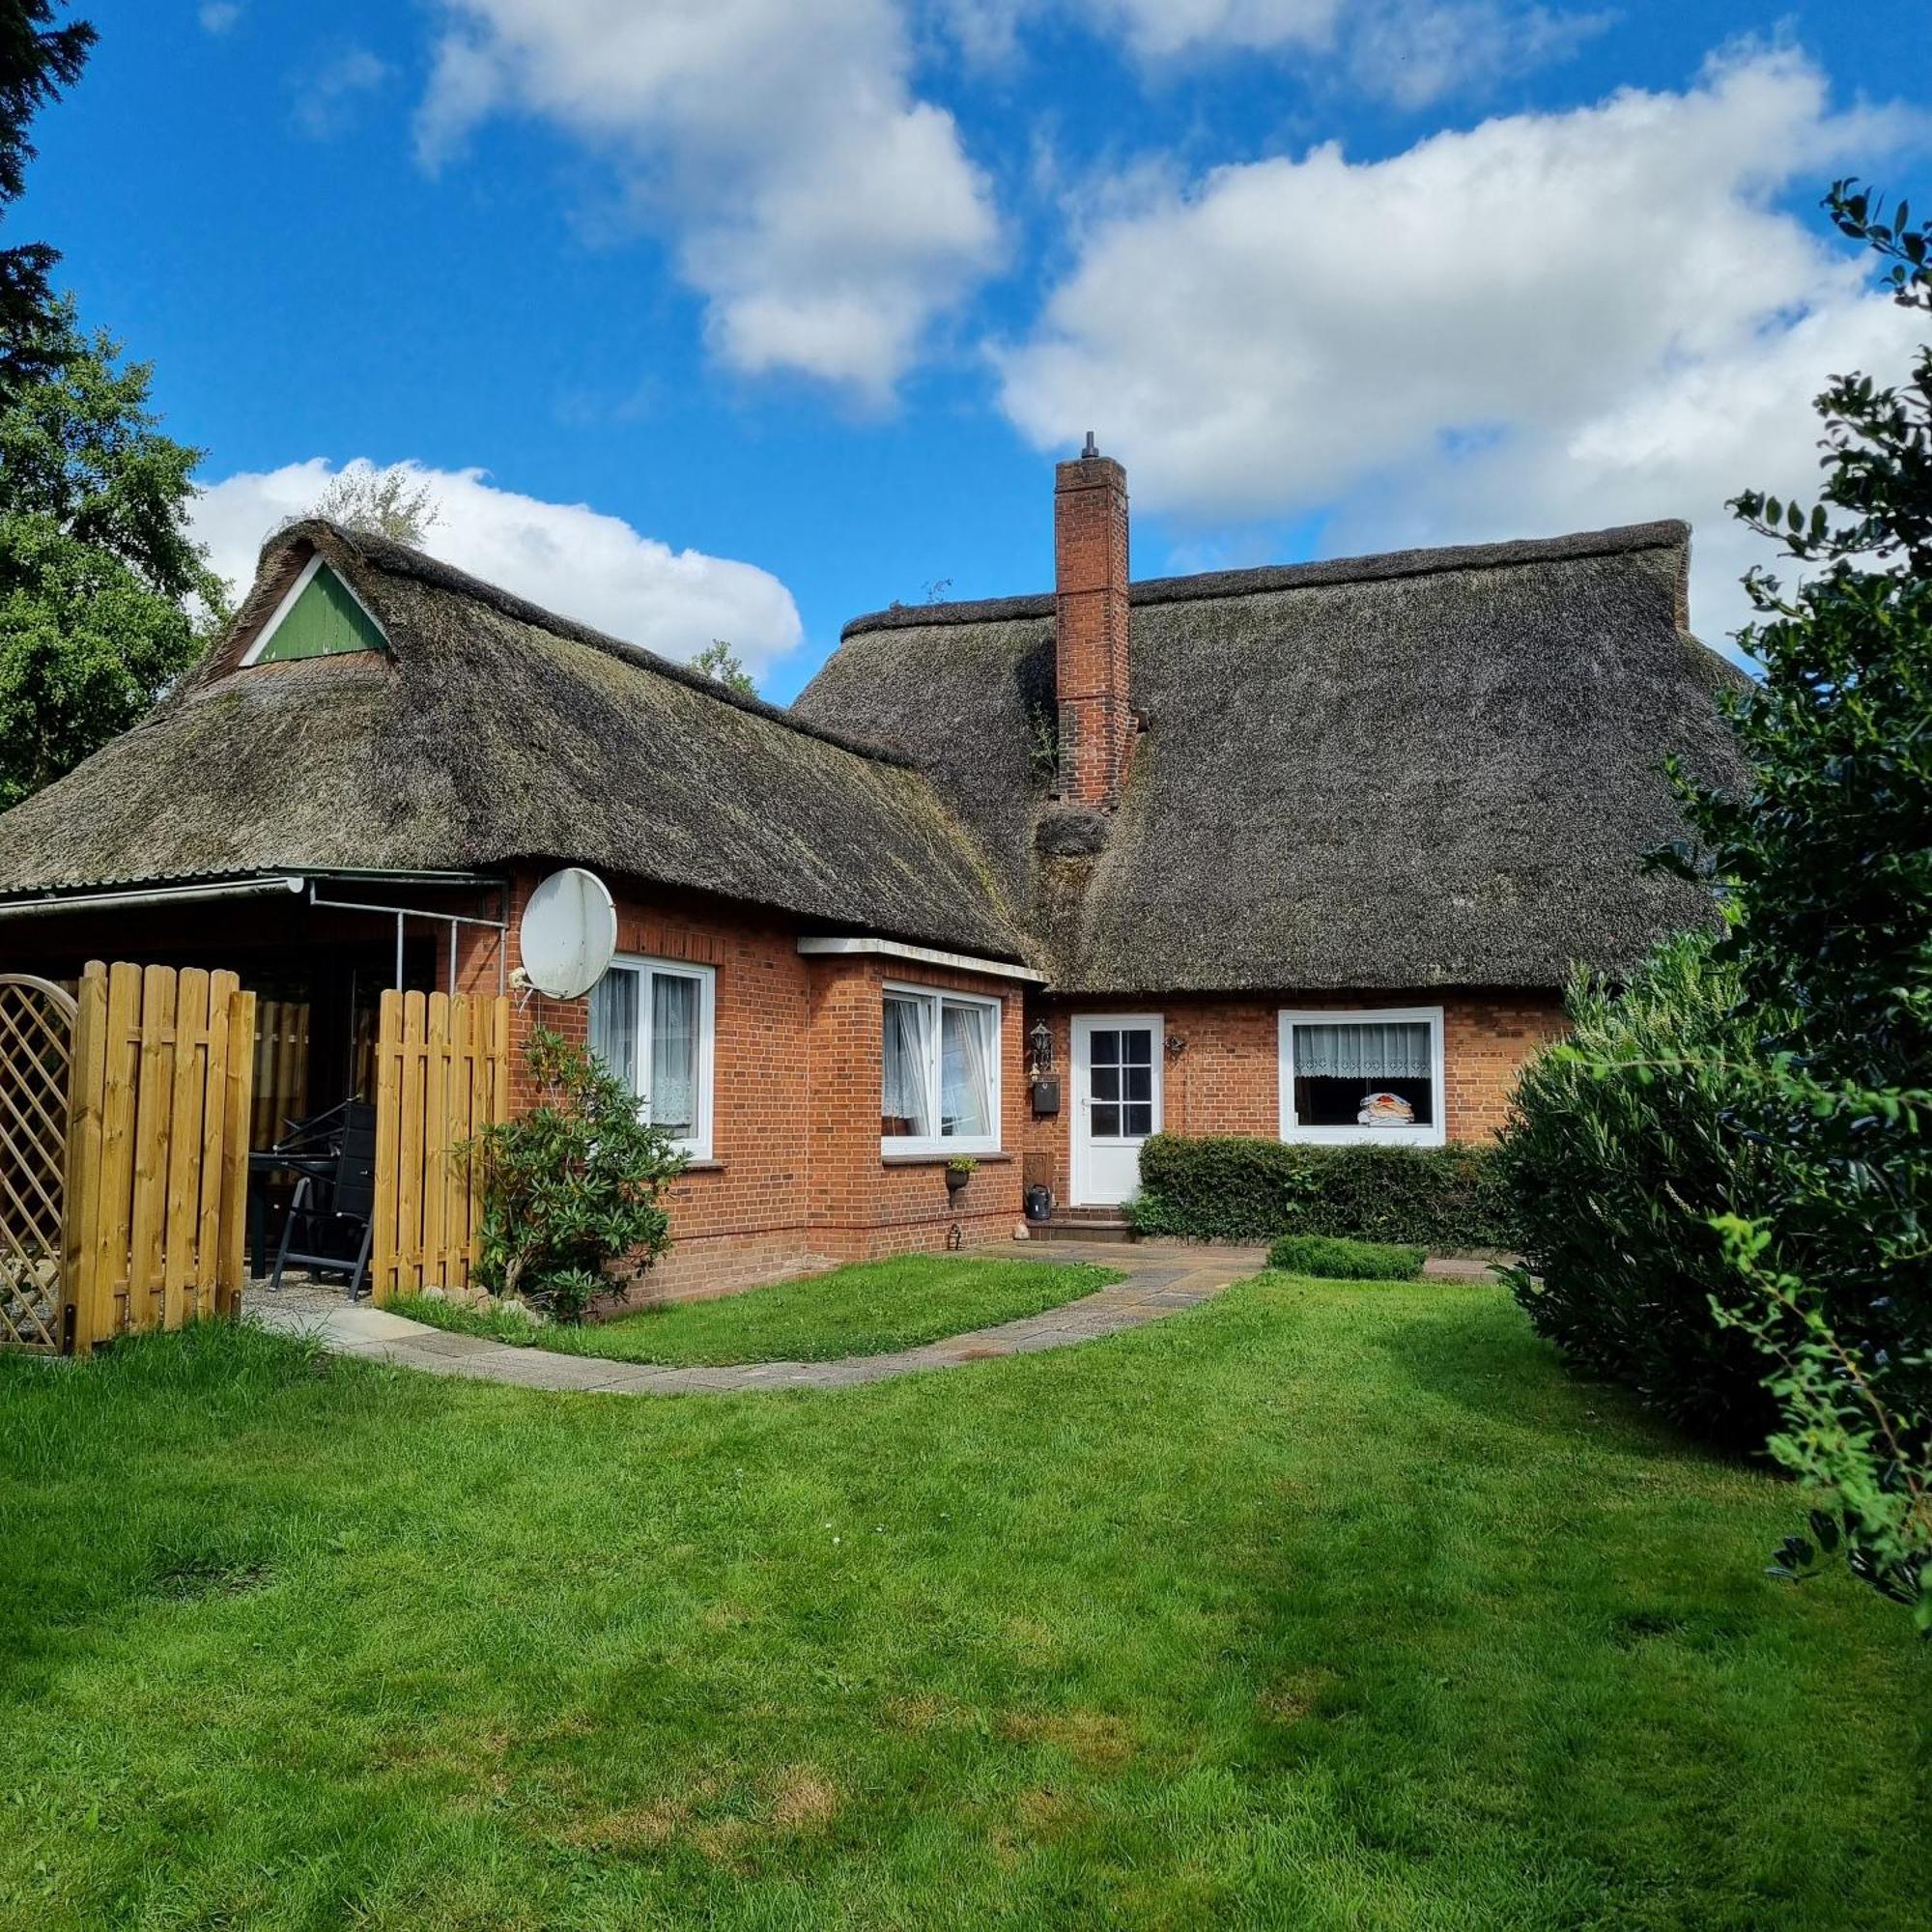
point(1304, 851)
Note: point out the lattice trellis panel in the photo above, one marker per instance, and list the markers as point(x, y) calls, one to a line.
point(36, 1054)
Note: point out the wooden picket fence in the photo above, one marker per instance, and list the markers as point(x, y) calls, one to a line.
point(157, 1172)
point(442, 1075)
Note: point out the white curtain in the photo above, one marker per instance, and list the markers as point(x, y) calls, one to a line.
point(965, 1092)
point(673, 1088)
point(613, 1023)
point(904, 1106)
point(1361, 1051)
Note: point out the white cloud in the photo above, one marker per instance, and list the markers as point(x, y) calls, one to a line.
point(327, 96)
point(566, 557)
point(1413, 54)
point(1409, 51)
point(1160, 28)
point(826, 212)
point(1543, 323)
point(216, 16)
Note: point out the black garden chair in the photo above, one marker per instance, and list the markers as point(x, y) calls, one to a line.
point(331, 1218)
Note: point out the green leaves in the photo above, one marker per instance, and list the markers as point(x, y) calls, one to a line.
point(1826, 860)
point(571, 1183)
point(1858, 1454)
point(1225, 1187)
point(105, 597)
point(1622, 1145)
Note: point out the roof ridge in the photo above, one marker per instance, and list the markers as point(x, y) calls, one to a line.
point(402, 559)
point(1665, 534)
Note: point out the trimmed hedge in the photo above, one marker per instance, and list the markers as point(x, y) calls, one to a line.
point(1225, 1189)
point(1336, 1258)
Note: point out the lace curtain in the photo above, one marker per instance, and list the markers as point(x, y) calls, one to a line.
point(673, 1086)
point(1398, 1051)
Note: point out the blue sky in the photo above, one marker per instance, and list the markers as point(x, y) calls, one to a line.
point(801, 301)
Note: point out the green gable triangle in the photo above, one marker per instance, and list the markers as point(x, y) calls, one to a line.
point(322, 620)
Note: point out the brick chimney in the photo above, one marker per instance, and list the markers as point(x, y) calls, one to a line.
point(1089, 618)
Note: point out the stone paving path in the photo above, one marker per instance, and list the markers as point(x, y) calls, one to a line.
point(1155, 1282)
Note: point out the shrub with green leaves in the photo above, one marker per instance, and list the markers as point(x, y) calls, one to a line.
point(1226, 1188)
point(1621, 1146)
point(1334, 1258)
point(571, 1183)
point(1859, 1455)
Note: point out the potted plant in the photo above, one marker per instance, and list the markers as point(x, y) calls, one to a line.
point(959, 1170)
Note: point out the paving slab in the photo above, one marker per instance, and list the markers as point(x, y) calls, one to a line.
point(1155, 1286)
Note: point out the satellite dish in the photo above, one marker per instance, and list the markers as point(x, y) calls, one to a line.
point(568, 934)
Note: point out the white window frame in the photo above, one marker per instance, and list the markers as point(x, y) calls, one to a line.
point(913, 1145)
point(697, 1144)
point(292, 596)
point(1435, 1134)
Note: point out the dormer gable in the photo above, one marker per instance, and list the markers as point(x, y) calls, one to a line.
point(320, 615)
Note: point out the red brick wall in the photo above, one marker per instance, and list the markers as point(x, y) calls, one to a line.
point(796, 1181)
point(1090, 628)
point(1225, 1080)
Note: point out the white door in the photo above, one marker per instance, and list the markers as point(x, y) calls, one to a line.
point(1116, 1103)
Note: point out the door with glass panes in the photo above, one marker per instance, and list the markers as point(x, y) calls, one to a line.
point(1116, 1103)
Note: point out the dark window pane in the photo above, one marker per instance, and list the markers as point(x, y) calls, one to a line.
point(1106, 1049)
point(1140, 1083)
point(1106, 1124)
point(1140, 1122)
point(1137, 1046)
point(1327, 1103)
point(1106, 1083)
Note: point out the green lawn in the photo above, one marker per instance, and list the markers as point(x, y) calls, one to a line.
point(1321, 1606)
point(866, 1310)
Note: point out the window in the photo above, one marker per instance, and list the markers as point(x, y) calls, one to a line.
point(1363, 1076)
point(940, 1074)
point(1120, 1077)
point(651, 1024)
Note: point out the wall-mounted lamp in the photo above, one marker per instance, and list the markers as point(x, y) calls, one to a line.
point(1041, 1042)
point(1175, 1046)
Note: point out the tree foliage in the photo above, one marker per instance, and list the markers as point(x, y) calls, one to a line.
point(1826, 857)
point(718, 660)
point(38, 59)
point(1862, 1456)
point(104, 596)
point(570, 1183)
point(1621, 1146)
point(397, 502)
point(1820, 1070)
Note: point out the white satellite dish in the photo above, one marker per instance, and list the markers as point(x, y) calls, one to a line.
point(568, 934)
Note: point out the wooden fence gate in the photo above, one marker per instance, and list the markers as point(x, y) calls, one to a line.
point(442, 1075)
point(124, 1152)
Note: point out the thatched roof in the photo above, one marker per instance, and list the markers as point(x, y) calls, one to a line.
point(1431, 768)
point(496, 731)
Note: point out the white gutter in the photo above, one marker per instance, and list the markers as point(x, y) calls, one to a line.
point(925, 955)
point(233, 889)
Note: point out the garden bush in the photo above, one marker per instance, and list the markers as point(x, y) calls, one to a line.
point(1623, 1143)
point(1230, 1189)
point(570, 1184)
point(1335, 1257)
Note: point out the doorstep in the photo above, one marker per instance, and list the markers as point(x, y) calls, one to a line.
point(1078, 1225)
